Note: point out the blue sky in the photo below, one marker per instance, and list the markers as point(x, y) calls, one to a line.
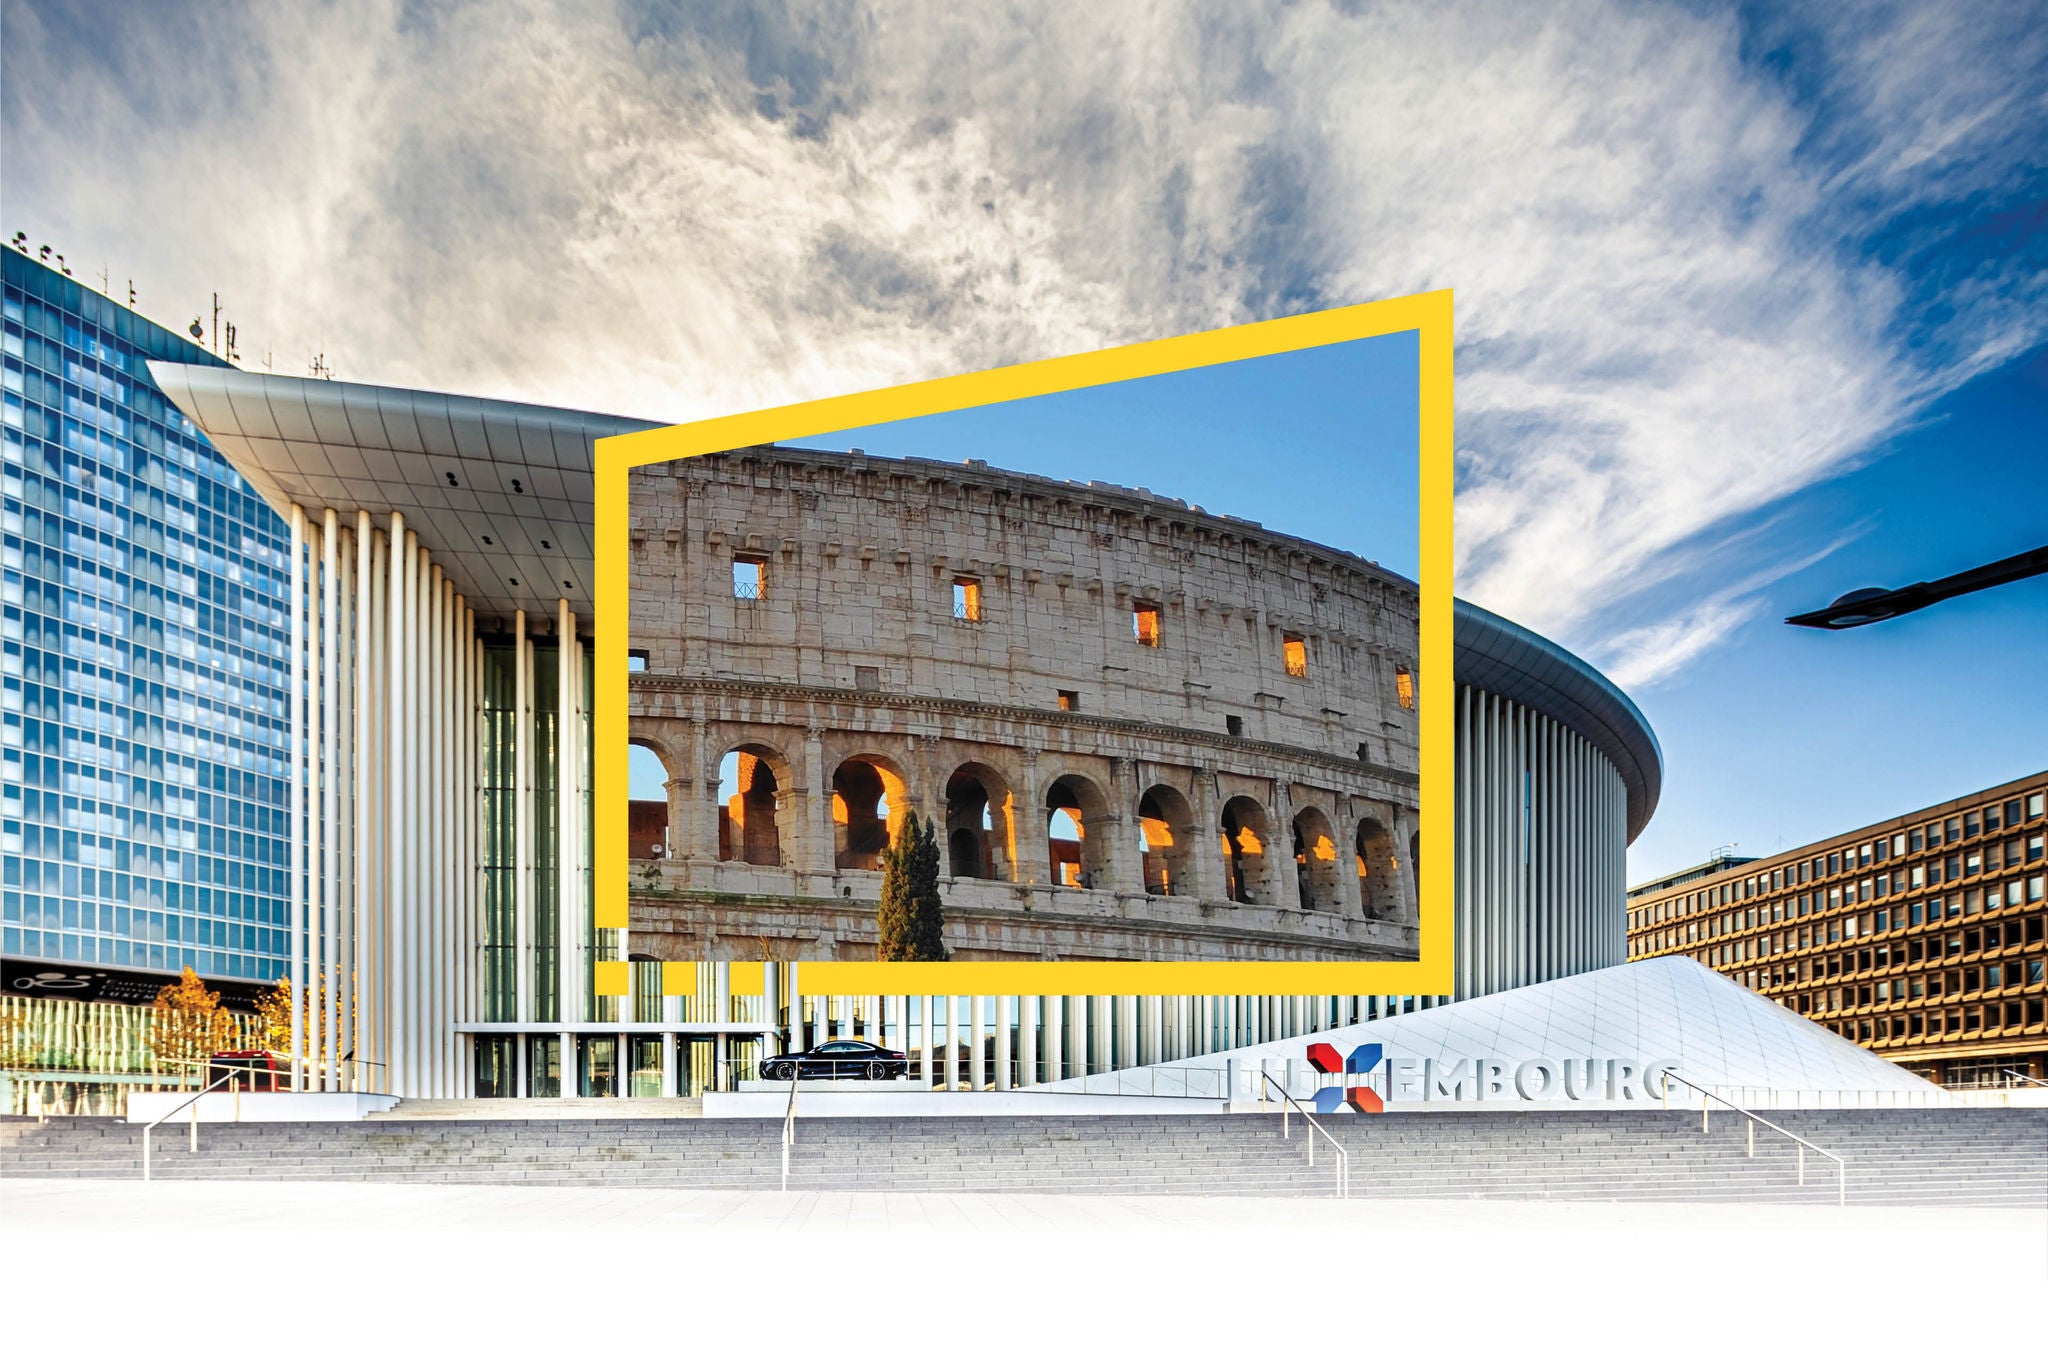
point(1320, 443)
point(1746, 293)
point(1778, 736)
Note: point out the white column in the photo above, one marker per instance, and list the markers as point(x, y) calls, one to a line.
point(976, 1041)
point(1005, 1016)
point(351, 907)
point(316, 881)
point(472, 862)
point(1052, 1029)
point(569, 932)
point(924, 1046)
point(373, 728)
point(949, 1040)
point(444, 827)
point(295, 950)
point(398, 788)
point(522, 822)
point(330, 804)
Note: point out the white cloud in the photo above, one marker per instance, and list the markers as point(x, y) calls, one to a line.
point(1667, 317)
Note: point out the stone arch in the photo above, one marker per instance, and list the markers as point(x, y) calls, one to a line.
point(1246, 837)
point(648, 773)
point(1315, 860)
point(1166, 841)
point(980, 823)
point(1378, 887)
point(869, 800)
point(756, 812)
point(1076, 830)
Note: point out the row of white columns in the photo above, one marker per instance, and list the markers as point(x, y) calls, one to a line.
point(1035, 1039)
point(1541, 839)
point(386, 900)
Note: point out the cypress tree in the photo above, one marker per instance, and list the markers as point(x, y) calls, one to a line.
point(910, 920)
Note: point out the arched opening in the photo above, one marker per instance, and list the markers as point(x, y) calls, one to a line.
point(1075, 819)
point(868, 801)
point(978, 816)
point(1166, 826)
point(1315, 860)
point(749, 802)
point(1415, 864)
point(1247, 862)
point(647, 831)
point(1377, 888)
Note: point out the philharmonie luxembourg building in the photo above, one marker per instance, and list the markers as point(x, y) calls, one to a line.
point(441, 607)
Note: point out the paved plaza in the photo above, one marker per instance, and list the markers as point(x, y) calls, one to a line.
point(1200, 1275)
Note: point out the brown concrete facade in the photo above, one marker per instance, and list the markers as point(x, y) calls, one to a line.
point(1924, 938)
point(1148, 732)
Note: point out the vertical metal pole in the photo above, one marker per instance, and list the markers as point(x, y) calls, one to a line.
point(296, 789)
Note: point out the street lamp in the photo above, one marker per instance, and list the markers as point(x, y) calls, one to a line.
point(1865, 605)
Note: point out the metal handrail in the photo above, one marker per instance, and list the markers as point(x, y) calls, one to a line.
point(1314, 1126)
point(2030, 1080)
point(1841, 1164)
point(232, 1080)
point(789, 1127)
point(189, 1102)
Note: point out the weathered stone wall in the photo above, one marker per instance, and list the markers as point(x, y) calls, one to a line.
point(853, 654)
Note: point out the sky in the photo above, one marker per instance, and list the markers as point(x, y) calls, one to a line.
point(1321, 443)
point(1749, 298)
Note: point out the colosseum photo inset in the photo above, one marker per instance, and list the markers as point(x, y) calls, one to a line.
point(1146, 731)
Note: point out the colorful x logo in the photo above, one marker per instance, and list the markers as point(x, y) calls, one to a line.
point(1360, 1099)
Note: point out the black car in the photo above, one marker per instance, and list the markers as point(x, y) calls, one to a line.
point(844, 1059)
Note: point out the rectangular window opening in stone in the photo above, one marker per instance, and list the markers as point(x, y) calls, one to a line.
point(636, 661)
point(966, 599)
point(1234, 725)
point(1145, 623)
point(866, 678)
point(1404, 687)
point(1069, 701)
point(1295, 649)
point(749, 577)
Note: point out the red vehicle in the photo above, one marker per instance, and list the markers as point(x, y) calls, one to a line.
point(254, 1070)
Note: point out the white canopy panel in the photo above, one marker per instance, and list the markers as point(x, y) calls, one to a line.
point(501, 493)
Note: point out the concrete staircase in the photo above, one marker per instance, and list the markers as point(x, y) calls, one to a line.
point(1952, 1157)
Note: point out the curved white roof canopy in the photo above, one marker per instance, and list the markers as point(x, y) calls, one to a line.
point(500, 493)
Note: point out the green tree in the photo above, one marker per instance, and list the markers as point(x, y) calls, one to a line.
point(910, 921)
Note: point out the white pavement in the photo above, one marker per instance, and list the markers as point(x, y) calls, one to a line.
point(472, 1262)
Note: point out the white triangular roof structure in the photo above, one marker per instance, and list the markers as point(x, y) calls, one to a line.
point(1721, 1036)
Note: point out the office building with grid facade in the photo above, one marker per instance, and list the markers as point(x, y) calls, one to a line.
point(1924, 937)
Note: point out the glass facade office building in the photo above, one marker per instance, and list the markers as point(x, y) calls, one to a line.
point(144, 745)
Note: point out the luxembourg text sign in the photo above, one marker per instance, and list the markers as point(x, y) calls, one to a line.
point(1370, 1079)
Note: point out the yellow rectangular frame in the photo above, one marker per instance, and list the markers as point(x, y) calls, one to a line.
point(1428, 315)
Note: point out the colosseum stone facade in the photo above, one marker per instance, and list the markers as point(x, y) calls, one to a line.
point(1149, 732)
